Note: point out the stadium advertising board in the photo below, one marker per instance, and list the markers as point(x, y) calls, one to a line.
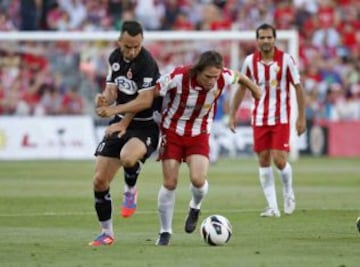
point(47, 138)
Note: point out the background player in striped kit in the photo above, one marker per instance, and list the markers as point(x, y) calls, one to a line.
point(274, 71)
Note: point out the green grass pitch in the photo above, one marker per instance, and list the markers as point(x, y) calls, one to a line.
point(47, 217)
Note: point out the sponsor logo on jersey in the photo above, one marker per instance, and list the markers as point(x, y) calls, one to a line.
point(194, 107)
point(125, 85)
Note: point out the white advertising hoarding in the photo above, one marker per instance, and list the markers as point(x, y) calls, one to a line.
point(60, 137)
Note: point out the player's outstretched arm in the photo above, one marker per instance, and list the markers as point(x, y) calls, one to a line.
point(234, 105)
point(254, 89)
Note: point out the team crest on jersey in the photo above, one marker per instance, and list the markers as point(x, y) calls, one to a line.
point(115, 66)
point(129, 74)
point(273, 83)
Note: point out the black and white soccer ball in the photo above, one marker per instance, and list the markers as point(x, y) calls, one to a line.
point(358, 223)
point(216, 230)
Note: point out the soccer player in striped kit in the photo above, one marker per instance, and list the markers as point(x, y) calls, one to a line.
point(189, 104)
point(274, 71)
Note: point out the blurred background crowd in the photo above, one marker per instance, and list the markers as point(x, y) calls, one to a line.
point(55, 78)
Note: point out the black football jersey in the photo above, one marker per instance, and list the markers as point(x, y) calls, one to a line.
point(131, 77)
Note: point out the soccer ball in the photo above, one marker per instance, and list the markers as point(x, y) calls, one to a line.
point(216, 230)
point(358, 223)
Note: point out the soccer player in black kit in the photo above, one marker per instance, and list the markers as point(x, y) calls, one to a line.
point(130, 138)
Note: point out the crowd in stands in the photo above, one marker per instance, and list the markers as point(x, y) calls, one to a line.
point(54, 78)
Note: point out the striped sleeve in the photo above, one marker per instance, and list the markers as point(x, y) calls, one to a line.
point(230, 76)
point(245, 69)
point(293, 69)
point(166, 82)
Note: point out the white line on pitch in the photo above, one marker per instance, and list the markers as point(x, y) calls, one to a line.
point(88, 213)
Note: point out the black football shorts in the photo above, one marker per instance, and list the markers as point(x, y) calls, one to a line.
point(112, 145)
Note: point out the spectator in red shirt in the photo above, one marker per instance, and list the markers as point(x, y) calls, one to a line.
point(284, 15)
point(72, 103)
point(308, 52)
point(328, 16)
point(182, 23)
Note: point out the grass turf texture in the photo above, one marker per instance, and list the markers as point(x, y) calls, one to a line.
point(47, 217)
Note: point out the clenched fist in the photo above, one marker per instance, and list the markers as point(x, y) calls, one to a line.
point(106, 111)
point(101, 101)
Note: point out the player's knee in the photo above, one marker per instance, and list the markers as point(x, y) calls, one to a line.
point(128, 162)
point(198, 181)
point(100, 184)
point(170, 184)
point(264, 158)
point(280, 163)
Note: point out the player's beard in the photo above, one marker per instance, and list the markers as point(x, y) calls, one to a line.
point(266, 48)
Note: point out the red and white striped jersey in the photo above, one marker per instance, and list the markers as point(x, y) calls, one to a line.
point(188, 108)
point(274, 79)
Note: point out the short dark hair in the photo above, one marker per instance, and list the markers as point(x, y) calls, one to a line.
point(132, 27)
point(265, 26)
point(209, 58)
